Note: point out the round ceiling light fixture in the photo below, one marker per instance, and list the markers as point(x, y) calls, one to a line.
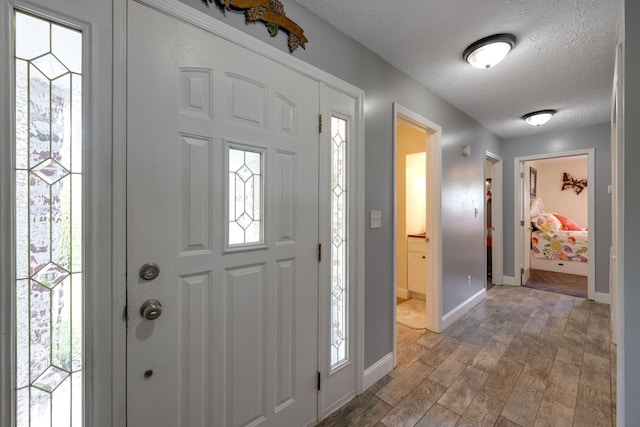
point(487, 52)
point(538, 118)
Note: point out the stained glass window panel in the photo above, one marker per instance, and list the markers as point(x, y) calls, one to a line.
point(339, 278)
point(48, 224)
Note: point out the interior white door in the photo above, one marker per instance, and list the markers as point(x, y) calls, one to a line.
point(236, 341)
point(525, 222)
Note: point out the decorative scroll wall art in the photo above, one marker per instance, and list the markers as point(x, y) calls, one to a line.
point(271, 12)
point(569, 181)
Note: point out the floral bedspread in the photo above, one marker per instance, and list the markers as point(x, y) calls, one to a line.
point(560, 245)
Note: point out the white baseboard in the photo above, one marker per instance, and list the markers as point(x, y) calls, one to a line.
point(510, 281)
point(338, 404)
point(375, 372)
point(402, 293)
point(462, 309)
point(603, 298)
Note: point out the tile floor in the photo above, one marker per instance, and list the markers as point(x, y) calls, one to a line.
point(522, 357)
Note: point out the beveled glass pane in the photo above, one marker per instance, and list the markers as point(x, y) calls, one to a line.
point(61, 325)
point(32, 36)
point(76, 223)
point(23, 407)
point(66, 45)
point(50, 275)
point(22, 115)
point(40, 408)
point(50, 66)
point(236, 159)
point(61, 223)
point(339, 279)
point(253, 161)
point(40, 222)
point(76, 399)
point(252, 234)
point(40, 330)
point(77, 328)
point(61, 404)
point(50, 171)
point(22, 224)
point(39, 117)
point(22, 333)
point(236, 234)
point(76, 123)
point(50, 379)
point(61, 120)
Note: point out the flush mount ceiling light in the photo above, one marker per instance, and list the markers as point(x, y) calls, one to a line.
point(538, 118)
point(487, 52)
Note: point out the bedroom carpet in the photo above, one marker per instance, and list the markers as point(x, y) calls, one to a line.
point(521, 357)
point(560, 283)
point(412, 313)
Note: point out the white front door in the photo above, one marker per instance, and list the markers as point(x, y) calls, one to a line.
point(222, 171)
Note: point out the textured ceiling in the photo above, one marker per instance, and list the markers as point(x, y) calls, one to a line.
point(563, 59)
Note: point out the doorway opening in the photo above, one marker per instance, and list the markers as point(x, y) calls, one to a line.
point(555, 216)
point(417, 272)
point(493, 219)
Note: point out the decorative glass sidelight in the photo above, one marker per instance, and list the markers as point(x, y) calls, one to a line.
point(339, 274)
point(48, 228)
point(245, 197)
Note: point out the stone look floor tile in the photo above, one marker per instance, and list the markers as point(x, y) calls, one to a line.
point(593, 408)
point(503, 378)
point(563, 382)
point(521, 357)
point(524, 402)
point(438, 416)
point(490, 355)
point(415, 405)
point(596, 372)
point(463, 390)
point(396, 390)
point(483, 411)
point(448, 371)
point(554, 414)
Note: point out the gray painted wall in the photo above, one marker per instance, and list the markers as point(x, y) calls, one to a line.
point(595, 136)
point(463, 177)
point(631, 213)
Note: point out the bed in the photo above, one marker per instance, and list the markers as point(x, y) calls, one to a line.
point(558, 243)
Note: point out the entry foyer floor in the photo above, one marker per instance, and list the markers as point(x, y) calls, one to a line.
point(521, 357)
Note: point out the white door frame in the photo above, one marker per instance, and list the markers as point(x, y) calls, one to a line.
point(497, 185)
point(242, 40)
point(434, 248)
point(517, 212)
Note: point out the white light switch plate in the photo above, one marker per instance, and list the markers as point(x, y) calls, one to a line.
point(376, 219)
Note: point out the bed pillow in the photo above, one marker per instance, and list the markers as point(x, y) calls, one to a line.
point(536, 207)
point(547, 223)
point(568, 223)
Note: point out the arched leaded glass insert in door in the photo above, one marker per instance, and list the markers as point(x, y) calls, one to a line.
point(48, 233)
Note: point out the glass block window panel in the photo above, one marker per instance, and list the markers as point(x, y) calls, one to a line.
point(339, 249)
point(48, 286)
point(245, 197)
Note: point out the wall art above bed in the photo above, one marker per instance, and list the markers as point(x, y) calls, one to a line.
point(569, 181)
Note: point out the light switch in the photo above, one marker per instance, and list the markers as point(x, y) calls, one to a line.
point(376, 219)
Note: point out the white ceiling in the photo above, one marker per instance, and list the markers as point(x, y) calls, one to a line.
point(563, 59)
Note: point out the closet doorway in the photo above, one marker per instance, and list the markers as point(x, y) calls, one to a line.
point(493, 219)
point(417, 271)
